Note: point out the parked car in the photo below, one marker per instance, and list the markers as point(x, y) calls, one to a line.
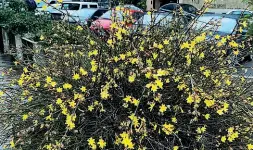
point(105, 21)
point(223, 25)
point(159, 19)
point(69, 8)
point(189, 10)
point(86, 16)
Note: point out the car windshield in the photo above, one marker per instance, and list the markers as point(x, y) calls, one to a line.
point(154, 19)
point(70, 6)
point(86, 13)
point(112, 13)
point(216, 24)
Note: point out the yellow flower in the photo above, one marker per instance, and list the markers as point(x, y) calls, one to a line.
point(1, 93)
point(92, 143)
point(168, 128)
point(207, 116)
point(217, 36)
point(166, 42)
point(41, 37)
point(67, 86)
point(135, 102)
point(228, 82)
point(37, 84)
point(127, 99)
point(190, 99)
point(83, 89)
point(175, 147)
point(148, 75)
point(207, 73)
point(154, 87)
point(53, 84)
point(149, 13)
point(76, 76)
point(174, 119)
point(101, 143)
point(185, 45)
point(72, 104)
point(70, 121)
point(134, 120)
point(91, 108)
point(223, 139)
point(233, 44)
point(151, 106)
point(59, 90)
point(104, 94)
point(30, 98)
point(25, 70)
point(48, 79)
point(209, 103)
point(250, 146)
point(79, 28)
point(127, 141)
point(25, 117)
point(162, 108)
point(159, 83)
point(82, 71)
point(60, 1)
point(220, 112)
point(44, 7)
point(201, 55)
point(160, 46)
point(244, 24)
point(131, 78)
point(12, 144)
point(58, 101)
point(110, 42)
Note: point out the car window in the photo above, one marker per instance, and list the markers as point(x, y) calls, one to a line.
point(84, 6)
point(217, 24)
point(241, 12)
point(113, 13)
point(158, 18)
point(93, 6)
point(137, 15)
point(170, 7)
point(70, 6)
point(189, 9)
point(98, 13)
point(53, 2)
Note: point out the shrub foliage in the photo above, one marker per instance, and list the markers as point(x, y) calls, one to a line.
point(162, 88)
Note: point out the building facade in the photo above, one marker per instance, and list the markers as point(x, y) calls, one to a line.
point(217, 4)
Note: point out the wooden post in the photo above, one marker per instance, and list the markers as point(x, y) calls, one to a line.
point(6, 41)
point(19, 51)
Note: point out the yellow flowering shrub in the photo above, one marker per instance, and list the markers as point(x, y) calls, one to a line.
point(158, 89)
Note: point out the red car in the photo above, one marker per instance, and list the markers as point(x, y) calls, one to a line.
point(104, 22)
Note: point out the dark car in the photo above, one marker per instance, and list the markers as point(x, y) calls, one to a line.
point(189, 10)
point(223, 25)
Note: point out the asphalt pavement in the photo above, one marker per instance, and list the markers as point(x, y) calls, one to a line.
point(246, 69)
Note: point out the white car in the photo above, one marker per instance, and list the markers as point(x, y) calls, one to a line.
point(70, 8)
